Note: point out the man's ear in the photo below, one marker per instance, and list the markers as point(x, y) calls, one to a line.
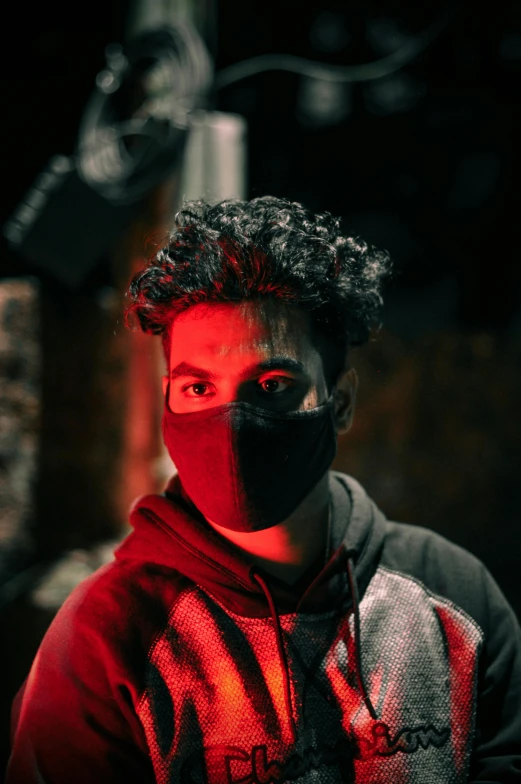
point(345, 400)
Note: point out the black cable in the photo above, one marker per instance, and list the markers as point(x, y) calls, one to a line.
point(335, 73)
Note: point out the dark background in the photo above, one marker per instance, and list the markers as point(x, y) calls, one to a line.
point(423, 162)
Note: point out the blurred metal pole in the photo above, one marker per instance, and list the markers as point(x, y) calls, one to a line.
point(214, 164)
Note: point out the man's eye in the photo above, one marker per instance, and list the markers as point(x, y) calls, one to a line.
point(196, 387)
point(277, 384)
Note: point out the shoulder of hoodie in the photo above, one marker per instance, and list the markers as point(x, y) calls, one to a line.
point(445, 570)
point(120, 610)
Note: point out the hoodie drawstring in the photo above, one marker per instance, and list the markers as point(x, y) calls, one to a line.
point(282, 655)
point(353, 586)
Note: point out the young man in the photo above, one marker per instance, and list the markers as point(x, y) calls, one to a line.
point(264, 622)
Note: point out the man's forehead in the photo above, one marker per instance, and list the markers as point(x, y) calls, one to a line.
point(206, 334)
point(259, 347)
point(239, 349)
point(244, 324)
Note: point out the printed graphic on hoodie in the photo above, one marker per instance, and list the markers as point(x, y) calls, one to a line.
point(214, 710)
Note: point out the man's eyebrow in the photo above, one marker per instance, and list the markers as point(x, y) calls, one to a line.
point(274, 363)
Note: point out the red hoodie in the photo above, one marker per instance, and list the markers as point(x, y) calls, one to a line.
point(180, 661)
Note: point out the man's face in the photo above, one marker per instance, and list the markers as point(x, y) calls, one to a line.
point(256, 352)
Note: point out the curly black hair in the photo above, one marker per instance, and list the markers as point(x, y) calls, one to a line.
point(265, 248)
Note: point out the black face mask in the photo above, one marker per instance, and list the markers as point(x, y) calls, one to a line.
point(246, 468)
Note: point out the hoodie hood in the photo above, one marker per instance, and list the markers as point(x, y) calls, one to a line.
point(170, 531)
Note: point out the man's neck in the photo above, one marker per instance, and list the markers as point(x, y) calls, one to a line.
point(288, 549)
